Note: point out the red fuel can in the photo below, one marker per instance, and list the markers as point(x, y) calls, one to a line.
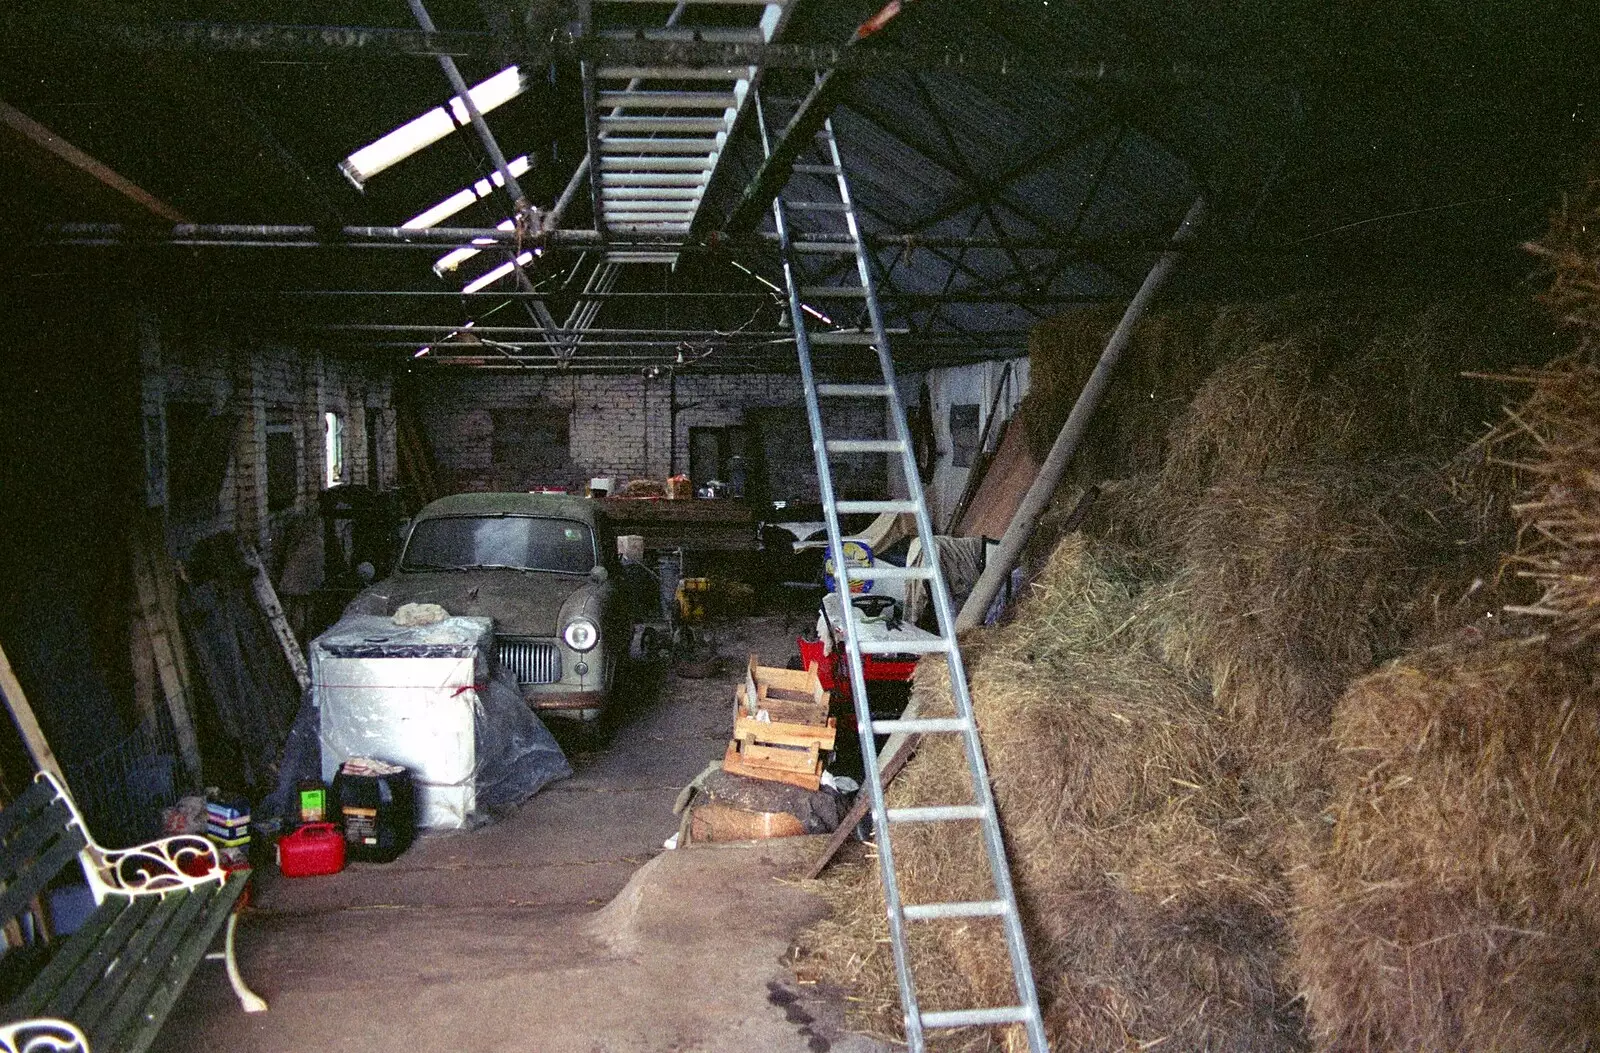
point(316, 848)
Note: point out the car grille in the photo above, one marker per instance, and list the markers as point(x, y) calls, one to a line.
point(531, 661)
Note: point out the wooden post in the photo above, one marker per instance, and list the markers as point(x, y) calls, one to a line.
point(166, 641)
point(27, 723)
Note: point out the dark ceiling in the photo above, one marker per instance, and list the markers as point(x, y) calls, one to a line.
point(1350, 144)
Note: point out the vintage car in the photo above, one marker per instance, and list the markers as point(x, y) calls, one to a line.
point(543, 567)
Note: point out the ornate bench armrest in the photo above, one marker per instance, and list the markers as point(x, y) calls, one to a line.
point(159, 866)
point(43, 1035)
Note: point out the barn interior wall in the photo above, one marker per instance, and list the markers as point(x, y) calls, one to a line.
point(975, 385)
point(632, 426)
point(254, 387)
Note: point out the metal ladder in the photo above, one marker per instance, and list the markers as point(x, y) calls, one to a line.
point(818, 235)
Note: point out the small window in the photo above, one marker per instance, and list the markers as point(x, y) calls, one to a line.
point(333, 440)
point(283, 464)
point(963, 434)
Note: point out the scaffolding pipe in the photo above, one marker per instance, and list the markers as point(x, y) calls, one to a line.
point(998, 569)
point(241, 235)
point(464, 93)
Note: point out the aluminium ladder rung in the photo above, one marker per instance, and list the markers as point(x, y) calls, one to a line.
point(854, 390)
point(875, 507)
point(615, 144)
point(818, 292)
point(1011, 1014)
point(979, 908)
point(655, 163)
point(814, 247)
point(865, 446)
point(936, 813)
point(662, 123)
point(686, 35)
point(837, 339)
point(815, 169)
point(817, 206)
point(671, 100)
point(622, 72)
point(938, 645)
point(888, 572)
point(920, 725)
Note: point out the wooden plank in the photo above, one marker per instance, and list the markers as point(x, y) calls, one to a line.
point(139, 979)
point(86, 179)
point(733, 764)
point(166, 578)
point(784, 733)
point(1004, 485)
point(858, 811)
point(143, 657)
point(166, 642)
point(792, 712)
point(27, 723)
point(267, 596)
point(69, 955)
point(787, 758)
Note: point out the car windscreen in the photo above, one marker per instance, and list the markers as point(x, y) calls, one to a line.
point(521, 542)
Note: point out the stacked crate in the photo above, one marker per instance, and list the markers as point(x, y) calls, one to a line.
point(781, 727)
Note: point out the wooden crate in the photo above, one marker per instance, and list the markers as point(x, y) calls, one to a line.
point(792, 695)
point(788, 746)
point(797, 767)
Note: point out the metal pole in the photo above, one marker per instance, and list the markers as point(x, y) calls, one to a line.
point(1039, 494)
point(481, 126)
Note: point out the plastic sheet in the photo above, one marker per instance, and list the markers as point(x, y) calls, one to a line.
point(423, 697)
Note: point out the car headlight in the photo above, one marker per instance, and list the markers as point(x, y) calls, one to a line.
point(581, 634)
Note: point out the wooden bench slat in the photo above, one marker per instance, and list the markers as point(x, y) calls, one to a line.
point(35, 856)
point(69, 955)
point(142, 1030)
point(99, 999)
point(28, 804)
point(64, 999)
point(132, 981)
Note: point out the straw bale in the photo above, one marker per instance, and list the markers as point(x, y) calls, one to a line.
point(1554, 442)
point(1456, 906)
point(1570, 252)
point(1121, 804)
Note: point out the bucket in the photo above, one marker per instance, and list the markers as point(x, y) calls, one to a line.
point(378, 814)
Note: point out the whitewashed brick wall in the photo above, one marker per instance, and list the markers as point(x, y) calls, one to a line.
point(620, 425)
point(258, 381)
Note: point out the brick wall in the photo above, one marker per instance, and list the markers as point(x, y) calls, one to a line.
point(256, 384)
point(620, 426)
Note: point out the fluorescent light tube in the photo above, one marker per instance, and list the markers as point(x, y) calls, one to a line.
point(430, 127)
point(461, 199)
point(489, 277)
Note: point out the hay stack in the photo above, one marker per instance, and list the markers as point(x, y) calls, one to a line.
point(1120, 802)
point(1554, 440)
point(1458, 907)
point(1571, 254)
point(1156, 719)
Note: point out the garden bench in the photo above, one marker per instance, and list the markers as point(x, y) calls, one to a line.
point(109, 985)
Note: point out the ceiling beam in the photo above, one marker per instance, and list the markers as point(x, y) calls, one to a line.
point(76, 172)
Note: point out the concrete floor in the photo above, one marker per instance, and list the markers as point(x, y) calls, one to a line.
point(565, 927)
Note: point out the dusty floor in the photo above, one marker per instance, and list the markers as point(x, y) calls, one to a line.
point(564, 927)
